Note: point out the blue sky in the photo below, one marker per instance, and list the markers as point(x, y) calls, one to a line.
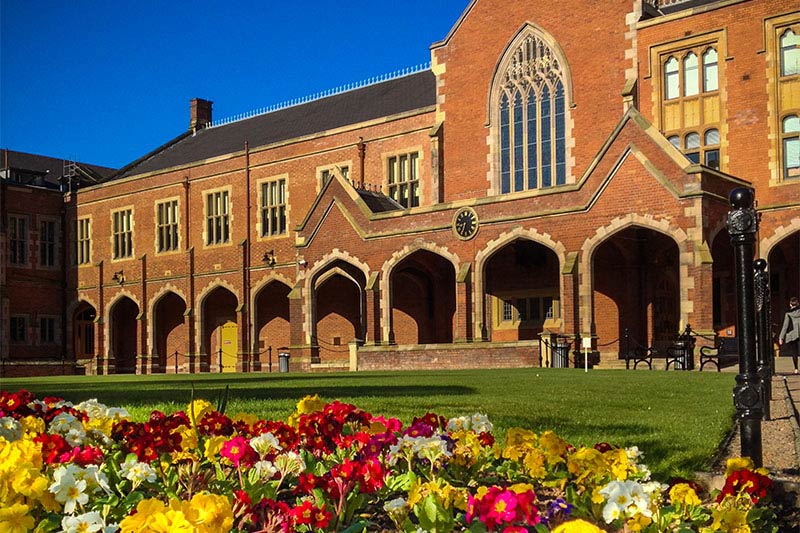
point(106, 82)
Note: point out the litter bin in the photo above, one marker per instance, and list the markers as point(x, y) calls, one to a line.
point(561, 353)
point(283, 359)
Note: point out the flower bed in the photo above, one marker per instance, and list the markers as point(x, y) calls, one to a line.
point(334, 467)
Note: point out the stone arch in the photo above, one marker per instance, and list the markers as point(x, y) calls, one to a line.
point(156, 345)
point(669, 290)
point(269, 317)
point(203, 334)
point(85, 329)
point(122, 348)
point(782, 252)
point(778, 234)
point(397, 258)
point(313, 271)
point(122, 293)
point(607, 232)
point(491, 248)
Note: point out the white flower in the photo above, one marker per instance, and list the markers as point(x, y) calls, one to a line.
point(136, 471)
point(75, 436)
point(68, 490)
point(481, 424)
point(265, 443)
point(10, 429)
point(95, 478)
point(62, 423)
point(83, 523)
point(458, 424)
point(265, 469)
point(290, 463)
point(394, 506)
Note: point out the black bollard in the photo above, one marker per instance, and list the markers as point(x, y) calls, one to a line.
point(764, 345)
point(748, 394)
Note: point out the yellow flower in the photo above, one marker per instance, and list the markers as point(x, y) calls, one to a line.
point(246, 418)
point(15, 519)
point(534, 463)
point(521, 488)
point(637, 523)
point(577, 526)
point(197, 409)
point(188, 437)
point(213, 512)
point(467, 447)
point(32, 426)
point(587, 463)
point(146, 513)
point(554, 447)
point(213, 446)
point(309, 404)
point(738, 463)
point(683, 494)
point(731, 514)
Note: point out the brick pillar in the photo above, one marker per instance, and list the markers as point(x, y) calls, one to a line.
point(462, 329)
point(242, 357)
point(299, 350)
point(570, 305)
point(374, 308)
point(701, 318)
point(142, 365)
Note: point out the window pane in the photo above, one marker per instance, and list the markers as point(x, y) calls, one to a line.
point(532, 145)
point(694, 157)
point(690, 79)
point(712, 159)
point(712, 137)
point(560, 140)
point(791, 157)
point(790, 53)
point(546, 136)
point(692, 140)
point(671, 82)
point(675, 141)
point(710, 80)
point(508, 311)
point(791, 124)
point(505, 160)
point(519, 170)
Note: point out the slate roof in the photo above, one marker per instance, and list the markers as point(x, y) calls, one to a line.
point(50, 167)
point(378, 202)
point(383, 99)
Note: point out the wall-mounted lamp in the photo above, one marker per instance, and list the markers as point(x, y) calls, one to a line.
point(269, 258)
point(119, 277)
point(302, 263)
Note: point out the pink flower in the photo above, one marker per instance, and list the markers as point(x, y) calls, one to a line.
point(234, 449)
point(503, 508)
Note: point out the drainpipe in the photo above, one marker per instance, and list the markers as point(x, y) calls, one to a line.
point(246, 349)
point(362, 150)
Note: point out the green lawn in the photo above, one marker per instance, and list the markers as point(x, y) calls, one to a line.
point(677, 418)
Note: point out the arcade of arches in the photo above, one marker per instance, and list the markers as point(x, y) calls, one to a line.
point(635, 290)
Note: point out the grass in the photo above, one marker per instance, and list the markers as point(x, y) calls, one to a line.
point(677, 418)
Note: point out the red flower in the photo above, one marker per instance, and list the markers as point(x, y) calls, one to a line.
point(753, 483)
point(303, 514)
point(53, 446)
point(238, 450)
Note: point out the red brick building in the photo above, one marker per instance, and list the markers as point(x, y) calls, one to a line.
point(554, 170)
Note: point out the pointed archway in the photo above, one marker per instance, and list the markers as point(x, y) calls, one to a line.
point(423, 299)
point(522, 287)
point(637, 287)
point(271, 323)
point(339, 303)
point(123, 330)
point(219, 345)
point(170, 333)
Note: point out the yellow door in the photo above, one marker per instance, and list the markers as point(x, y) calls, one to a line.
point(229, 343)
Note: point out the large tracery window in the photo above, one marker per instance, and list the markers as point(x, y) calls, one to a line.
point(532, 110)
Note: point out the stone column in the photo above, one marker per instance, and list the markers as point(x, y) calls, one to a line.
point(463, 319)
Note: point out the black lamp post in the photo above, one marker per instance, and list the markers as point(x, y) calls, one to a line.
point(748, 394)
point(763, 331)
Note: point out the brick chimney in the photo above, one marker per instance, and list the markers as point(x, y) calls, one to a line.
point(199, 114)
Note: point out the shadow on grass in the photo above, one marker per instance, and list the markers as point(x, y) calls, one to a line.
point(182, 392)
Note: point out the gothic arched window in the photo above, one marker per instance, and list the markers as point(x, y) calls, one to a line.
point(531, 113)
